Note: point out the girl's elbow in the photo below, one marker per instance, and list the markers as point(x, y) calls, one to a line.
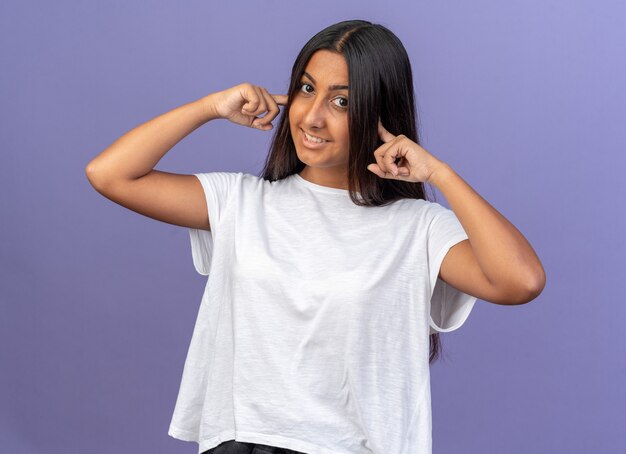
point(535, 286)
point(524, 291)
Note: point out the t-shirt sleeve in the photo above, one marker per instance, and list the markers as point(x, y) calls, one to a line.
point(218, 187)
point(449, 307)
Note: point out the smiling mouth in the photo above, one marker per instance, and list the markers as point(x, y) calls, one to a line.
point(312, 140)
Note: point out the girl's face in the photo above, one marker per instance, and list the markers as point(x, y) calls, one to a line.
point(320, 108)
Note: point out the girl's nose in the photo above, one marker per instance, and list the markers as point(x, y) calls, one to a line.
point(315, 117)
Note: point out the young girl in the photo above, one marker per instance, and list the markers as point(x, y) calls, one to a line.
point(331, 274)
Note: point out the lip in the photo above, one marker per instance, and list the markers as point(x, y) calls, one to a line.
point(311, 145)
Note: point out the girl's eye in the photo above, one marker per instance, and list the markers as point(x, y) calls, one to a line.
point(345, 100)
point(345, 106)
point(302, 84)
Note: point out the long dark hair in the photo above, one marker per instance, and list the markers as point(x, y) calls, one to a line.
point(381, 84)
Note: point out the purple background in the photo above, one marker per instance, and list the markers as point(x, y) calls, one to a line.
point(524, 99)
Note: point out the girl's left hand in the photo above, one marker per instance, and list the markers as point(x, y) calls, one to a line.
point(416, 164)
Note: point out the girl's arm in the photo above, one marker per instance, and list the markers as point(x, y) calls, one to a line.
point(497, 263)
point(124, 171)
point(137, 152)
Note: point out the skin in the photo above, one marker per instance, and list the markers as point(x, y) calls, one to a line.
point(496, 263)
point(323, 113)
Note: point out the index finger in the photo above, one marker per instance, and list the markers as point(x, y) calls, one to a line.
point(281, 99)
point(385, 135)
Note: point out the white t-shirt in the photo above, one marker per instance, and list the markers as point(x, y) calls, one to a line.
point(313, 330)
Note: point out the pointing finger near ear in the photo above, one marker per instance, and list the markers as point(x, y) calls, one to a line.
point(385, 135)
point(281, 100)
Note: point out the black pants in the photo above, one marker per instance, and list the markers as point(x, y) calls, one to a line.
point(242, 447)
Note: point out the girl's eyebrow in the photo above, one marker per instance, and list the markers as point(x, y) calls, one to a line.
point(332, 87)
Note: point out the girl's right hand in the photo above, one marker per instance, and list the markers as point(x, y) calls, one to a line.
point(242, 103)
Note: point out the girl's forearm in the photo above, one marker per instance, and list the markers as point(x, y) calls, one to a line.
point(138, 151)
point(505, 256)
